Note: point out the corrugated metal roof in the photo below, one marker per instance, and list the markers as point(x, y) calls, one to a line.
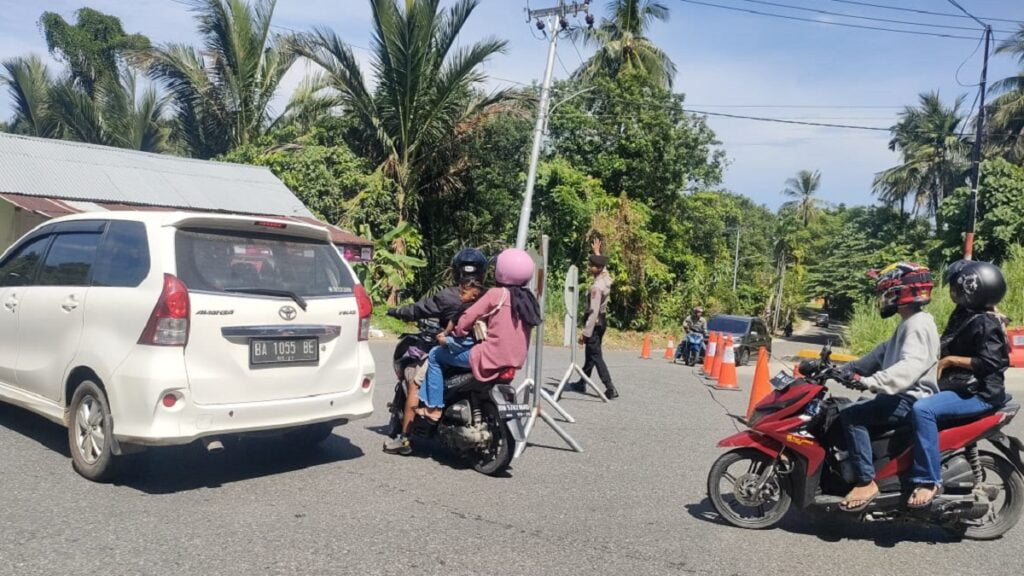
point(86, 172)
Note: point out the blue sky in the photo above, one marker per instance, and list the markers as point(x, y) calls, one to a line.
point(728, 61)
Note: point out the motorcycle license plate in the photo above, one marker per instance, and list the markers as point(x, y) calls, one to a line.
point(513, 410)
point(278, 351)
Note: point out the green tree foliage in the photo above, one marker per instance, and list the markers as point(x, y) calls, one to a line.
point(94, 47)
point(326, 177)
point(28, 82)
point(424, 104)
point(802, 189)
point(855, 241)
point(114, 115)
point(1005, 127)
point(1000, 223)
point(221, 92)
point(622, 44)
point(933, 153)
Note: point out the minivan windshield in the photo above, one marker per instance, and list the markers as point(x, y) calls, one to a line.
point(728, 325)
point(257, 263)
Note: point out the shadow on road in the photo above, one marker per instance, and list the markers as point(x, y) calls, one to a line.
point(173, 469)
point(837, 527)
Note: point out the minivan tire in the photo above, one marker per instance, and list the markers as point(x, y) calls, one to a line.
point(90, 434)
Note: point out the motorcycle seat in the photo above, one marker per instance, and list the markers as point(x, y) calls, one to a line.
point(944, 424)
point(460, 379)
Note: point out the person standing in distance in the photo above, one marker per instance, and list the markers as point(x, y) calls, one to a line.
point(596, 323)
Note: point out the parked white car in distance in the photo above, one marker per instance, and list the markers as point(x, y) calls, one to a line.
point(138, 329)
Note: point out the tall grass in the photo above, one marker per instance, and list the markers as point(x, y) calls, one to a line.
point(866, 329)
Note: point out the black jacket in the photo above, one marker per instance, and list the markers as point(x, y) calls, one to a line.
point(980, 337)
point(444, 305)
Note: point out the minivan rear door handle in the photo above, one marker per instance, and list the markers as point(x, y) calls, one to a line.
point(70, 304)
point(11, 304)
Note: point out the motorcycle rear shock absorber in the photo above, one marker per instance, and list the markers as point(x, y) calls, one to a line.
point(478, 416)
point(971, 453)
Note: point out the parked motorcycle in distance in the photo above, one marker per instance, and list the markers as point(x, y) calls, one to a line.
point(482, 421)
point(794, 453)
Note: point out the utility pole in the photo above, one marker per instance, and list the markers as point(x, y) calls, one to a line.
point(554, 19)
point(736, 259)
point(972, 203)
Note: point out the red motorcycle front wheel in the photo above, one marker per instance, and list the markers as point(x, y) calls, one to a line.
point(746, 491)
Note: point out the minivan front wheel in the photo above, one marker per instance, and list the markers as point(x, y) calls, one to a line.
point(90, 433)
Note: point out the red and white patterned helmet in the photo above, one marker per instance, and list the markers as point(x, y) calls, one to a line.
point(901, 284)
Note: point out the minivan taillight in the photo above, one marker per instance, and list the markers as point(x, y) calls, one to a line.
point(168, 324)
point(365, 311)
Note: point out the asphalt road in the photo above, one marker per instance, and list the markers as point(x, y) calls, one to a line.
point(632, 503)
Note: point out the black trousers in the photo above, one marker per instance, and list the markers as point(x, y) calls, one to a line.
point(594, 357)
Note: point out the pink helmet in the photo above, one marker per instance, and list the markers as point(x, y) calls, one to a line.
point(514, 267)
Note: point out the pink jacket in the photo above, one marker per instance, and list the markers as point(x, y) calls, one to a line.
point(507, 339)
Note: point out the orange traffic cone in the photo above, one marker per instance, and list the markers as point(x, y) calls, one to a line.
point(727, 374)
point(670, 350)
point(645, 351)
point(709, 353)
point(762, 386)
point(716, 366)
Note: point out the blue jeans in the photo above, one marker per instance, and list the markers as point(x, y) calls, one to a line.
point(432, 390)
point(885, 410)
point(927, 468)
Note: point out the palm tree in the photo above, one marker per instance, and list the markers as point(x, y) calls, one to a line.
point(622, 45)
point(222, 93)
point(28, 83)
point(802, 189)
point(933, 151)
point(424, 100)
point(1006, 125)
point(115, 115)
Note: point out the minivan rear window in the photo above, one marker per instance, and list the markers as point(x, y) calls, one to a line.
point(224, 261)
point(728, 325)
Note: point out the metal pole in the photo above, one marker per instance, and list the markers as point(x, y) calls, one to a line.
point(972, 204)
point(736, 260)
point(538, 135)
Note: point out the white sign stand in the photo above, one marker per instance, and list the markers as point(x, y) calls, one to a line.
point(532, 385)
point(572, 298)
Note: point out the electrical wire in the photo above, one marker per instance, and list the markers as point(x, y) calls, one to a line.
point(869, 18)
point(956, 76)
point(843, 24)
point(919, 11)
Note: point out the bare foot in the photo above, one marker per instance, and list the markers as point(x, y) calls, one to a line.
point(860, 497)
point(923, 496)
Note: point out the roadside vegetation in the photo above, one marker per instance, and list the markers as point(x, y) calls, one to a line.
point(409, 148)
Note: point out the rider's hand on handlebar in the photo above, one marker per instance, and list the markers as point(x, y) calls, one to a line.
point(393, 312)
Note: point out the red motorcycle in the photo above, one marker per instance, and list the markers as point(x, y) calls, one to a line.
point(794, 452)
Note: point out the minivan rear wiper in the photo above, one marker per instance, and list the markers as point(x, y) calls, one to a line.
point(271, 292)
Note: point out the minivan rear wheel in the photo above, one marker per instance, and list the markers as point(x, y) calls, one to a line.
point(90, 434)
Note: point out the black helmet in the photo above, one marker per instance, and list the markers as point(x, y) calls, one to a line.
point(469, 263)
point(976, 285)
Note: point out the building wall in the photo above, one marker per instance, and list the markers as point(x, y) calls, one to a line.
point(15, 222)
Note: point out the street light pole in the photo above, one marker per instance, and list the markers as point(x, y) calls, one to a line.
point(972, 204)
point(554, 19)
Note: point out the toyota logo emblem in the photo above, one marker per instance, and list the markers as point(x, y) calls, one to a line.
point(287, 313)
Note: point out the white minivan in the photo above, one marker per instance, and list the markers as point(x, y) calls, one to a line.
point(138, 329)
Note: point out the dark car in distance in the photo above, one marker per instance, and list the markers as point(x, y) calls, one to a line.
point(748, 334)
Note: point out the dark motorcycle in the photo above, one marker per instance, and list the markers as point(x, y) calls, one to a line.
point(794, 452)
point(482, 421)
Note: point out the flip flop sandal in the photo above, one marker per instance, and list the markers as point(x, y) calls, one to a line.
point(936, 494)
point(860, 507)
